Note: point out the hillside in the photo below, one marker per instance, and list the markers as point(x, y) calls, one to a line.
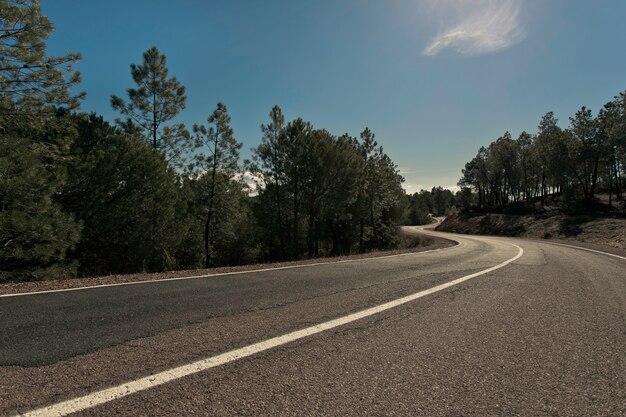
point(606, 231)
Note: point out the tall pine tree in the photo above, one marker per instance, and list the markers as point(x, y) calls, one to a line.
point(218, 167)
point(30, 80)
point(269, 159)
point(156, 100)
point(35, 136)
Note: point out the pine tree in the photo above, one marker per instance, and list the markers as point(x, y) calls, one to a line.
point(342, 169)
point(127, 199)
point(381, 193)
point(612, 119)
point(30, 80)
point(297, 134)
point(35, 136)
point(269, 159)
point(586, 147)
point(552, 153)
point(368, 193)
point(34, 233)
point(218, 165)
point(528, 164)
point(156, 100)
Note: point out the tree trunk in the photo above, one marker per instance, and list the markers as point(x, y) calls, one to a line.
point(526, 185)
point(373, 221)
point(594, 177)
point(616, 173)
point(154, 121)
point(361, 232)
point(543, 190)
point(611, 179)
point(296, 252)
point(207, 225)
point(311, 232)
point(207, 253)
point(334, 236)
point(281, 234)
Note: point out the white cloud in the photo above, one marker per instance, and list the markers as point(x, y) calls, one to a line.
point(253, 182)
point(411, 188)
point(475, 27)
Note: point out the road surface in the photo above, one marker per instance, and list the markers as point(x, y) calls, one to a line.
point(492, 326)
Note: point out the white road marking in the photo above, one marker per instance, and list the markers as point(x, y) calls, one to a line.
point(587, 249)
point(106, 395)
point(20, 294)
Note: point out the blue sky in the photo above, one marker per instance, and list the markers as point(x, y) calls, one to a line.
point(433, 79)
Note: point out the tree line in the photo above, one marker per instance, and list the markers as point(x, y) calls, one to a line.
point(556, 164)
point(438, 202)
point(82, 196)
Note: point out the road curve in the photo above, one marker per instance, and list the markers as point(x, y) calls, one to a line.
point(544, 335)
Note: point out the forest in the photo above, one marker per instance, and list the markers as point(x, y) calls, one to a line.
point(83, 196)
point(563, 166)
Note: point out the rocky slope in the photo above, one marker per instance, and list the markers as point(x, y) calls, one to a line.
point(596, 230)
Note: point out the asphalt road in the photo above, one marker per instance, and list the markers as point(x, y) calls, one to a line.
point(543, 335)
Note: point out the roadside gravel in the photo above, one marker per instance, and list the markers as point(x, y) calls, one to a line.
point(428, 243)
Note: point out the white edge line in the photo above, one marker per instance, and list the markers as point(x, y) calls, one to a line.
point(582, 248)
point(106, 395)
point(150, 281)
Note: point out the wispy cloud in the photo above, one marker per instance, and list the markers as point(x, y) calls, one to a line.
point(252, 181)
point(411, 188)
point(475, 27)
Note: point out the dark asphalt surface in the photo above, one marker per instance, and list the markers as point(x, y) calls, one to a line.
point(545, 335)
point(44, 328)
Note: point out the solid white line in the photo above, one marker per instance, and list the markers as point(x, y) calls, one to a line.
point(21, 294)
point(587, 249)
point(106, 395)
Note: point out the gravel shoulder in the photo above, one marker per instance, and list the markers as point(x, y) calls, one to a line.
point(426, 243)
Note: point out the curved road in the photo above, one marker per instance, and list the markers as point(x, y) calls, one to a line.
point(533, 328)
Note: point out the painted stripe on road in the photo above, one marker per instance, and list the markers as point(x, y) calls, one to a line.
point(132, 387)
point(586, 249)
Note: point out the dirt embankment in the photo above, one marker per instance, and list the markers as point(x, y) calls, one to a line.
point(595, 230)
